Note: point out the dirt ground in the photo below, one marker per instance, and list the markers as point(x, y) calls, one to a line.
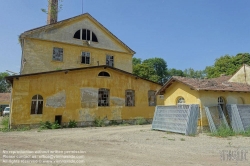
point(120, 145)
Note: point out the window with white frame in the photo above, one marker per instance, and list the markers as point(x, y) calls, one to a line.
point(110, 60)
point(85, 34)
point(85, 58)
point(37, 104)
point(103, 97)
point(57, 54)
point(129, 97)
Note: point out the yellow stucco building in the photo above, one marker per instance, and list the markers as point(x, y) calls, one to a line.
point(205, 92)
point(76, 69)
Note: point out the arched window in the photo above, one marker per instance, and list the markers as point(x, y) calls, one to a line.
point(85, 34)
point(104, 73)
point(221, 102)
point(37, 104)
point(180, 100)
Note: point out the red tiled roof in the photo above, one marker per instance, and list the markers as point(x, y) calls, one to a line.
point(4, 97)
point(214, 84)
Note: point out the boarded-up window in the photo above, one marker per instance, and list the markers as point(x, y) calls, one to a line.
point(37, 104)
point(57, 54)
point(103, 97)
point(110, 60)
point(129, 98)
point(85, 58)
point(151, 98)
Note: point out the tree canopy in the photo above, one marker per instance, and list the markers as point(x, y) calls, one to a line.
point(154, 69)
point(4, 85)
point(227, 65)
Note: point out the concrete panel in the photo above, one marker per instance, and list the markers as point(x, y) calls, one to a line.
point(57, 100)
point(89, 97)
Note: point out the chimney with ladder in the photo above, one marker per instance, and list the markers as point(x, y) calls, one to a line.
point(52, 11)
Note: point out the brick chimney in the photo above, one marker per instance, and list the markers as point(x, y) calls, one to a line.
point(52, 11)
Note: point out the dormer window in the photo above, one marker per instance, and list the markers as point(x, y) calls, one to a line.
point(85, 34)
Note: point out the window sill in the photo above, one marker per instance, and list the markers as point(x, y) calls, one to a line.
point(57, 61)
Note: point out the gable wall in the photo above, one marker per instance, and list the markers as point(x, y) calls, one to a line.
point(38, 56)
point(178, 89)
point(74, 96)
point(65, 33)
point(242, 75)
point(203, 98)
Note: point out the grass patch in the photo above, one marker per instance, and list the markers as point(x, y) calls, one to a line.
point(140, 121)
point(246, 133)
point(224, 131)
point(182, 139)
point(5, 122)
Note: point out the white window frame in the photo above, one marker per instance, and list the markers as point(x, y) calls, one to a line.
point(35, 100)
point(85, 55)
point(110, 60)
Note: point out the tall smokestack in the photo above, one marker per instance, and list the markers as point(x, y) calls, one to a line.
point(52, 11)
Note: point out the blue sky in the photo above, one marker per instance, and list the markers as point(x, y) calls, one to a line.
point(185, 33)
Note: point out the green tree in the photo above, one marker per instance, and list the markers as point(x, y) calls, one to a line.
point(4, 85)
point(227, 65)
point(190, 72)
point(175, 72)
point(154, 69)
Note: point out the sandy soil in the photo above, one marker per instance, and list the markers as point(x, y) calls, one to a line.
point(120, 145)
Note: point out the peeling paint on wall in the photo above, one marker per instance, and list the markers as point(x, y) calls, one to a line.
point(84, 115)
point(117, 101)
point(116, 114)
point(57, 100)
point(89, 97)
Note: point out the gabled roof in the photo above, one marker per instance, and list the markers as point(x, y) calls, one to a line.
point(4, 97)
point(214, 84)
point(50, 26)
point(11, 78)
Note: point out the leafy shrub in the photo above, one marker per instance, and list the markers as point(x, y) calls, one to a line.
point(49, 125)
point(140, 121)
point(55, 125)
point(98, 122)
point(45, 125)
point(72, 124)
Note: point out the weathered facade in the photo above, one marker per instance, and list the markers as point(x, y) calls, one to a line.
point(76, 94)
point(205, 92)
point(76, 69)
point(77, 42)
